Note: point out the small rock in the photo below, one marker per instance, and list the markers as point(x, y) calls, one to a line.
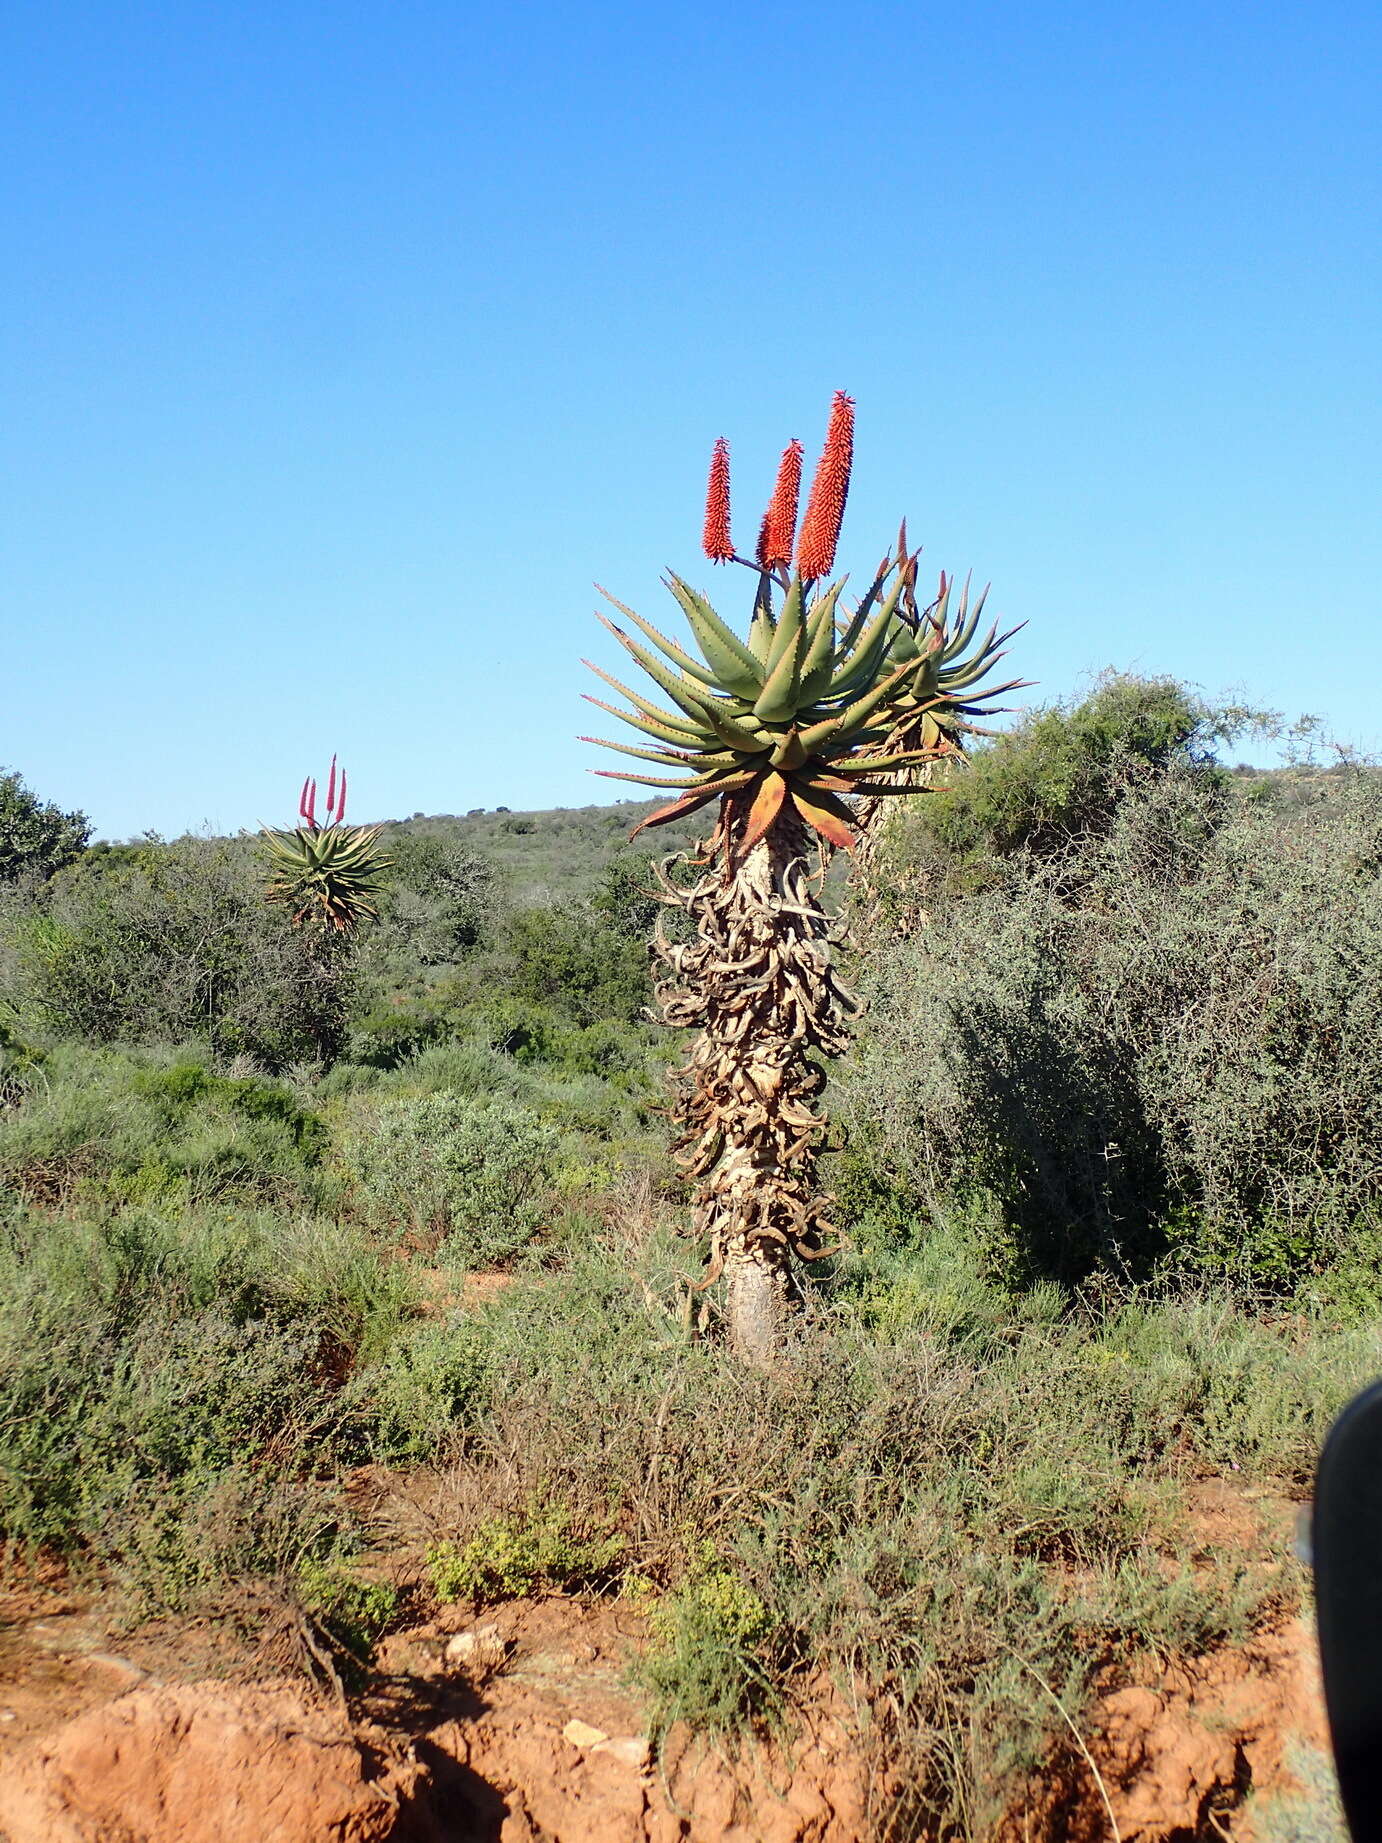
point(581, 1734)
point(631, 1749)
point(481, 1648)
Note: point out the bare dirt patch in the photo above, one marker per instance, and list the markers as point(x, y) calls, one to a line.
point(541, 1743)
point(517, 1725)
point(1178, 1755)
point(180, 1765)
point(1191, 1749)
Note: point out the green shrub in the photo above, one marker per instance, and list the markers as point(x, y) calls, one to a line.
point(428, 1387)
point(36, 838)
point(515, 1555)
point(175, 942)
point(523, 1028)
point(353, 1610)
point(439, 900)
point(1162, 1044)
point(20, 1066)
point(389, 1034)
point(567, 959)
point(158, 1449)
point(130, 1126)
point(174, 1091)
point(1055, 778)
point(477, 1172)
point(625, 897)
point(536, 1034)
point(446, 1066)
point(709, 1661)
point(171, 1389)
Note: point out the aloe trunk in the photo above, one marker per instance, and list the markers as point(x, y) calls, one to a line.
point(758, 1302)
point(758, 985)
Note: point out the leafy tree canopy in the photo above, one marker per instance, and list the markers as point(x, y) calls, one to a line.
point(35, 835)
point(1060, 774)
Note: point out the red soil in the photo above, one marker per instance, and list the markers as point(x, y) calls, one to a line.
point(523, 1731)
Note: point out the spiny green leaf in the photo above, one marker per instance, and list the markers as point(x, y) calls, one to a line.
point(681, 691)
point(788, 632)
point(663, 732)
point(733, 665)
point(649, 709)
point(675, 653)
point(819, 655)
point(852, 629)
point(669, 758)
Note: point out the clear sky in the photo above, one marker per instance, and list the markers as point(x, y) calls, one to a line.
point(344, 346)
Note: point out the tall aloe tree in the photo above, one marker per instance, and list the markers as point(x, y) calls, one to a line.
point(784, 732)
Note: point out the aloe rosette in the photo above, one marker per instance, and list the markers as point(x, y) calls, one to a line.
point(328, 873)
point(815, 704)
point(937, 707)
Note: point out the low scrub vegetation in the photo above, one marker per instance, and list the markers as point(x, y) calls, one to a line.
point(1107, 1180)
point(1146, 1037)
point(477, 1174)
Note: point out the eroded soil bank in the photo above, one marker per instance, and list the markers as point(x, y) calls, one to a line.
point(519, 1728)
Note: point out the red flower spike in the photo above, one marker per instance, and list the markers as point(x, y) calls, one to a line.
point(309, 805)
point(340, 810)
point(331, 788)
point(715, 539)
point(302, 798)
point(825, 509)
point(780, 520)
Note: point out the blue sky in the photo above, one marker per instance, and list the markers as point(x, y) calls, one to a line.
point(345, 346)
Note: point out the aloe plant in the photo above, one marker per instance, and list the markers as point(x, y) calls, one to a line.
point(329, 873)
point(937, 715)
point(785, 731)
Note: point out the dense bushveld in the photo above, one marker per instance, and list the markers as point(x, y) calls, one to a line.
point(1109, 1168)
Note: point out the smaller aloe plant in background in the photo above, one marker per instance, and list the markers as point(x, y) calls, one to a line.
point(931, 718)
point(329, 873)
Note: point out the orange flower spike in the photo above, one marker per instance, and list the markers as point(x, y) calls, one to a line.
point(825, 509)
point(715, 539)
point(780, 520)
